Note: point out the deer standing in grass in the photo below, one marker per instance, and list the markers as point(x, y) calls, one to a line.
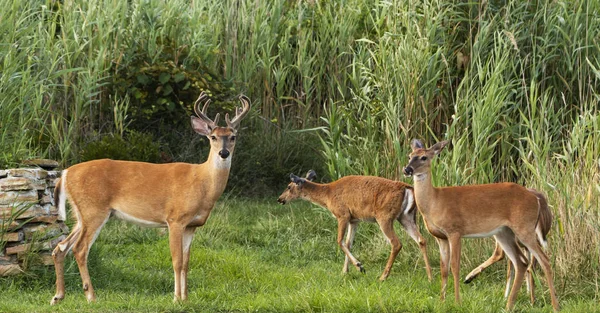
point(352, 199)
point(542, 229)
point(507, 211)
point(178, 196)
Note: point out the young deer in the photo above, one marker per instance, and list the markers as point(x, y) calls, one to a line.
point(353, 199)
point(178, 196)
point(542, 229)
point(506, 211)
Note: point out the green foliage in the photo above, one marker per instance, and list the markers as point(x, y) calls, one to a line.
point(281, 152)
point(164, 93)
point(135, 146)
point(8, 222)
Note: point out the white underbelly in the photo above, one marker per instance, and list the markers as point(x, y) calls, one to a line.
point(484, 235)
point(130, 218)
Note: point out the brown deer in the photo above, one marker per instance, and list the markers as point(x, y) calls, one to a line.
point(507, 211)
point(178, 196)
point(353, 199)
point(542, 229)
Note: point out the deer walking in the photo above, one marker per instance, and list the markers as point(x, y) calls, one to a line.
point(353, 199)
point(179, 196)
point(542, 229)
point(507, 211)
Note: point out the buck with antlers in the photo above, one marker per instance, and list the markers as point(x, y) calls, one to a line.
point(507, 211)
point(178, 196)
point(352, 199)
point(542, 229)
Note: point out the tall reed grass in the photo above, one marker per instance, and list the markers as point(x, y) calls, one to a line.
point(514, 85)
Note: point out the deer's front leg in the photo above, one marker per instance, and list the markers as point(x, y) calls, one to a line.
point(342, 226)
point(176, 245)
point(455, 246)
point(444, 262)
point(349, 241)
point(188, 235)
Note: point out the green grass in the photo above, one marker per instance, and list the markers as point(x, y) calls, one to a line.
point(259, 256)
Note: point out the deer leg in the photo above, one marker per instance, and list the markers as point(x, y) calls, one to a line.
point(507, 240)
point(90, 228)
point(176, 245)
point(188, 235)
point(529, 278)
point(444, 263)
point(58, 255)
point(387, 227)
point(408, 220)
point(342, 225)
point(530, 241)
point(455, 246)
point(349, 241)
point(497, 255)
point(510, 277)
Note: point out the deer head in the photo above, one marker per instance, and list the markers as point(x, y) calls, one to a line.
point(222, 139)
point(294, 189)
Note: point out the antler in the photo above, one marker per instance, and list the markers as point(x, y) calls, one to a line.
point(240, 113)
point(202, 114)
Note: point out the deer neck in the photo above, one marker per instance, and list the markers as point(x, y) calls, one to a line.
point(216, 170)
point(425, 193)
point(316, 193)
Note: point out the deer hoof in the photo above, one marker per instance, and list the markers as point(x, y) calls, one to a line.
point(470, 277)
point(55, 300)
point(361, 268)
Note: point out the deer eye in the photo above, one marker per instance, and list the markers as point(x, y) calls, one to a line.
point(213, 138)
point(232, 138)
point(423, 158)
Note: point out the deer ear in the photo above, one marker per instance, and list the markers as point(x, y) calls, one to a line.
point(296, 180)
point(311, 175)
point(438, 147)
point(200, 126)
point(416, 144)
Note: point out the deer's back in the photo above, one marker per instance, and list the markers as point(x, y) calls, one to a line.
point(367, 196)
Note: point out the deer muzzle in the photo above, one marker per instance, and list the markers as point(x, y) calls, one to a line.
point(224, 153)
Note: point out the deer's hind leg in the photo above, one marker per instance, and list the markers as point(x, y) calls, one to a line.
point(58, 255)
point(91, 224)
point(408, 220)
point(508, 242)
point(387, 227)
point(529, 240)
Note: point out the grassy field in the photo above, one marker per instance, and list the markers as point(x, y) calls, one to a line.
point(255, 255)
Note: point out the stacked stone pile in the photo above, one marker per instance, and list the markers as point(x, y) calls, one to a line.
point(29, 223)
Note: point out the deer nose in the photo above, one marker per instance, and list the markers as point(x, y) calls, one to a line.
point(224, 153)
point(408, 171)
point(281, 201)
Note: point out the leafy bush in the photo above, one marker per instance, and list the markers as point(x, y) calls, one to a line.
point(263, 160)
point(134, 146)
point(164, 93)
